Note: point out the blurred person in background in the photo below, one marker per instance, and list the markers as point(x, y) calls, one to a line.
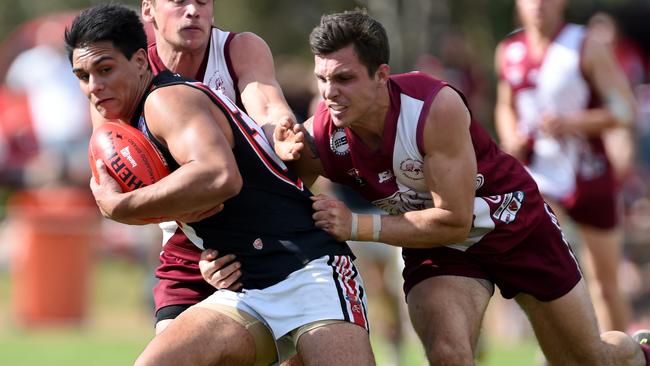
point(301, 289)
point(467, 215)
point(620, 144)
point(559, 89)
point(58, 110)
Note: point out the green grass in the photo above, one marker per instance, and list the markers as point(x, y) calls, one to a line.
point(119, 325)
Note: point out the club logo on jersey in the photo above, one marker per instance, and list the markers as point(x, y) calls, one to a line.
point(385, 176)
point(339, 142)
point(480, 180)
point(356, 175)
point(215, 81)
point(507, 211)
point(412, 169)
point(258, 244)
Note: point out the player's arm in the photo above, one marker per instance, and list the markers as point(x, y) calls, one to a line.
point(450, 174)
point(260, 91)
point(602, 70)
point(505, 118)
point(199, 139)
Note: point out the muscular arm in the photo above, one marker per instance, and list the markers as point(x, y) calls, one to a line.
point(260, 92)
point(450, 175)
point(601, 68)
point(198, 137)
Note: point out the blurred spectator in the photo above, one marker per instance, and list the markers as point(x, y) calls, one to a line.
point(59, 112)
point(619, 142)
point(559, 92)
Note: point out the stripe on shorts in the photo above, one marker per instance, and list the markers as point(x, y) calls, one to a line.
point(350, 291)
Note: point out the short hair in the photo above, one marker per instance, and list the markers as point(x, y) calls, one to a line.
point(107, 22)
point(355, 27)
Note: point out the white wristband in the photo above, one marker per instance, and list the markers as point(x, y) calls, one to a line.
point(376, 227)
point(354, 228)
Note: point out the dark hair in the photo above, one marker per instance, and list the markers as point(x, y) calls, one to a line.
point(107, 22)
point(355, 27)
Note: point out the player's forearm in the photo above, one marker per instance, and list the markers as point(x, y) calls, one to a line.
point(428, 228)
point(592, 122)
point(188, 189)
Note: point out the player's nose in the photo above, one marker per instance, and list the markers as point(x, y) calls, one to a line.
point(330, 91)
point(95, 85)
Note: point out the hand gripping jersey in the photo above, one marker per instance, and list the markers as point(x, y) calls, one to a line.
point(507, 204)
point(268, 226)
point(216, 70)
point(554, 85)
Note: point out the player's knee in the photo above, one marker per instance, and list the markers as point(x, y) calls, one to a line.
point(620, 346)
point(445, 352)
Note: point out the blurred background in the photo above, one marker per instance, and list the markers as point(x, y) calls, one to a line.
point(76, 289)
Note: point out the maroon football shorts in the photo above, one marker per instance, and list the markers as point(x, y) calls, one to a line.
point(595, 202)
point(542, 264)
point(179, 278)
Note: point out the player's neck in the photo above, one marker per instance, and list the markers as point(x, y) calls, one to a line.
point(538, 38)
point(143, 87)
point(370, 127)
point(185, 63)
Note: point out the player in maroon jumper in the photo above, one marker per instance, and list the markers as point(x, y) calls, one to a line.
point(560, 89)
point(468, 215)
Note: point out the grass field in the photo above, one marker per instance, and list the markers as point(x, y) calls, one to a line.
point(119, 325)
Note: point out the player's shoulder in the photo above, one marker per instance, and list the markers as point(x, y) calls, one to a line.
point(517, 36)
point(169, 88)
point(246, 40)
point(415, 84)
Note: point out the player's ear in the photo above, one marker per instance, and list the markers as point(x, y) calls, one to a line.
point(148, 11)
point(141, 60)
point(383, 72)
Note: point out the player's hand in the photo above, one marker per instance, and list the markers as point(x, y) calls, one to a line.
point(288, 140)
point(223, 272)
point(333, 216)
point(554, 126)
point(105, 191)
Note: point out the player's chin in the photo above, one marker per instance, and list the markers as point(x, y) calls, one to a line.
point(340, 122)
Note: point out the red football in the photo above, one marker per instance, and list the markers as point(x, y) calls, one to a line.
point(129, 156)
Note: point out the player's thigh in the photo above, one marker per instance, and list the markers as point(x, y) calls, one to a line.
point(338, 343)
point(200, 336)
point(566, 328)
point(449, 308)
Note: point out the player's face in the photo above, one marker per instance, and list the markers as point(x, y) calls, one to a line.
point(110, 81)
point(540, 13)
point(183, 24)
point(347, 89)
